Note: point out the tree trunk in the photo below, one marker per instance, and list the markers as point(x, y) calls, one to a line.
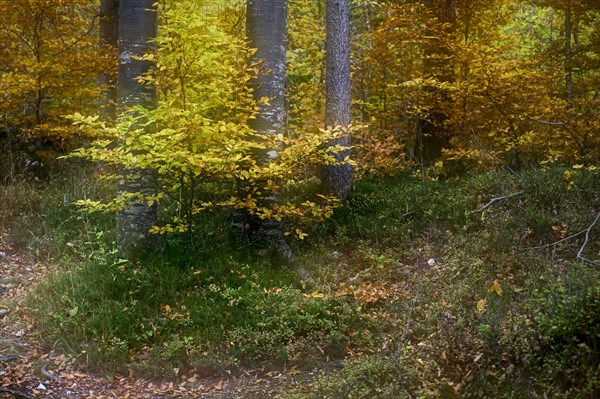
point(568, 55)
point(109, 36)
point(266, 26)
point(337, 179)
point(432, 137)
point(137, 27)
point(266, 29)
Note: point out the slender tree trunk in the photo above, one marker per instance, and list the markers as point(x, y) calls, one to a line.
point(568, 55)
point(337, 179)
point(137, 27)
point(109, 35)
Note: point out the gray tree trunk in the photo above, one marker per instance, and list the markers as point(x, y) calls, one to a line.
point(109, 36)
point(266, 29)
point(266, 26)
point(137, 27)
point(337, 179)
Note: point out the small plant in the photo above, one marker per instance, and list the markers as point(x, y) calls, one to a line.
point(569, 338)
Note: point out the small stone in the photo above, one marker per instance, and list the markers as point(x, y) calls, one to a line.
point(4, 312)
point(431, 262)
point(41, 387)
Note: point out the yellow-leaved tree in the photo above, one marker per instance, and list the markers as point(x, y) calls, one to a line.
point(203, 150)
point(51, 62)
point(507, 83)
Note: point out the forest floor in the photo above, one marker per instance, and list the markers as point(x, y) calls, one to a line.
point(418, 289)
point(29, 371)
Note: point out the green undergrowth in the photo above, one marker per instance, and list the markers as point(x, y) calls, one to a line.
point(172, 312)
point(492, 315)
point(420, 291)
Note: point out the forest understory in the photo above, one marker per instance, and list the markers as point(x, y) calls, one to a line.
point(473, 292)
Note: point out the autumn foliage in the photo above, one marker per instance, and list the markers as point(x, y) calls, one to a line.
point(204, 151)
point(443, 88)
point(496, 72)
point(51, 61)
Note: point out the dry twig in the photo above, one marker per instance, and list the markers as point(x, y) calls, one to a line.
point(48, 374)
point(15, 393)
point(585, 242)
point(8, 358)
point(496, 199)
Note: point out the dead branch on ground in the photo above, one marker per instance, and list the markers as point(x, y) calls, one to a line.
point(585, 231)
point(496, 199)
point(15, 393)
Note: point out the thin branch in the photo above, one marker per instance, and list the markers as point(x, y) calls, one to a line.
point(45, 371)
point(582, 248)
point(14, 393)
point(493, 156)
point(496, 199)
point(587, 237)
point(80, 38)
point(565, 126)
point(18, 35)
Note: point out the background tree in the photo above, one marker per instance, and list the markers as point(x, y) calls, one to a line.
point(50, 66)
point(432, 136)
point(109, 36)
point(305, 90)
point(137, 30)
point(337, 179)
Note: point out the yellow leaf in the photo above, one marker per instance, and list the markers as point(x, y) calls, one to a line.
point(481, 305)
point(166, 308)
point(495, 287)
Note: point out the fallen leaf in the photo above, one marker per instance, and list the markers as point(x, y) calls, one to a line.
point(481, 305)
point(495, 287)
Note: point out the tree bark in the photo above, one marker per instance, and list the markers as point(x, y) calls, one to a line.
point(109, 36)
point(266, 29)
point(337, 179)
point(266, 26)
point(568, 55)
point(137, 27)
